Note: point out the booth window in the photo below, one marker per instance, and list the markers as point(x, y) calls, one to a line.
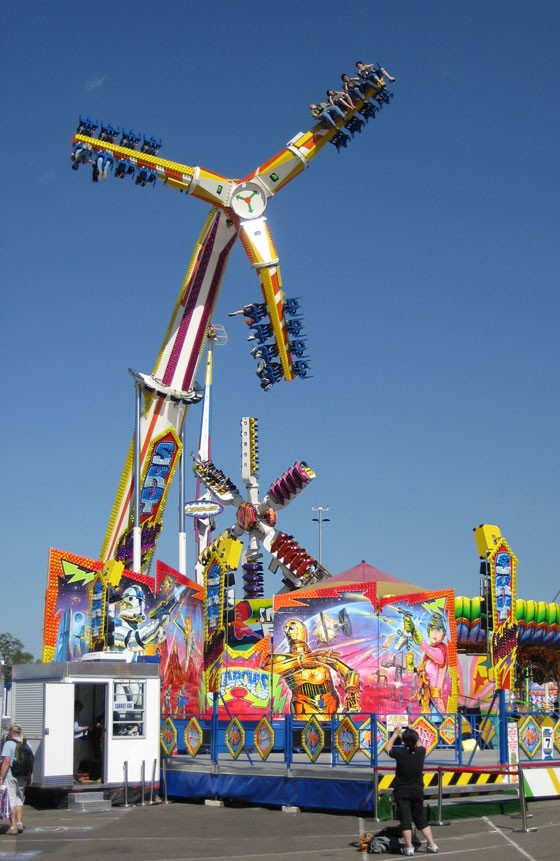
point(128, 708)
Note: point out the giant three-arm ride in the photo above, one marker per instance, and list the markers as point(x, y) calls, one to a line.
point(237, 209)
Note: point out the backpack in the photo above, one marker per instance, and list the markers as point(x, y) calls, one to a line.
point(24, 759)
point(389, 840)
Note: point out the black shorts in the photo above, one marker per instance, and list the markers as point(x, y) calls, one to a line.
point(410, 808)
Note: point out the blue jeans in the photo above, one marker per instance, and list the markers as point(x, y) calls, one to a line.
point(357, 93)
point(372, 80)
point(327, 116)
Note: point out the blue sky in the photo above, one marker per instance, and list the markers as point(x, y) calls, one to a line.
point(425, 256)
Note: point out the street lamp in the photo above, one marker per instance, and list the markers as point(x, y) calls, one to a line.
point(320, 520)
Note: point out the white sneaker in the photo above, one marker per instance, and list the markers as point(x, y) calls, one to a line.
point(433, 849)
point(408, 850)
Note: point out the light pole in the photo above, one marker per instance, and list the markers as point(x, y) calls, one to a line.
point(320, 520)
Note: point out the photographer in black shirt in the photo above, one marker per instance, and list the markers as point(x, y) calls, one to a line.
point(409, 787)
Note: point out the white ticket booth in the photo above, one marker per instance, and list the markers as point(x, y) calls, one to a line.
point(91, 721)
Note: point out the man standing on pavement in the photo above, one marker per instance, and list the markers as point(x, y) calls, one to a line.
point(15, 786)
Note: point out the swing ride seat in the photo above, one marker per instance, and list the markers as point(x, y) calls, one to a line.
point(340, 140)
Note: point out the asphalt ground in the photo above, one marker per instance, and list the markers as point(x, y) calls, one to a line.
point(182, 830)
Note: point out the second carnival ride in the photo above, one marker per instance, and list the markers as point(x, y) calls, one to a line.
point(256, 518)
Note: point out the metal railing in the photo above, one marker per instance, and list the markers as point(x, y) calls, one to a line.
point(454, 740)
point(454, 792)
point(126, 786)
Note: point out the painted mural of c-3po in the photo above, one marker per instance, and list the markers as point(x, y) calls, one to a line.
point(308, 675)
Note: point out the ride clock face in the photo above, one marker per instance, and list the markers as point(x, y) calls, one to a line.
point(248, 200)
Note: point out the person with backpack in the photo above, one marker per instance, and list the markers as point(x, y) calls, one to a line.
point(16, 768)
point(409, 787)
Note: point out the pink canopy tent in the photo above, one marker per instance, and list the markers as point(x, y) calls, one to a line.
point(385, 584)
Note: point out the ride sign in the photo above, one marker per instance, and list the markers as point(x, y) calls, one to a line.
point(203, 508)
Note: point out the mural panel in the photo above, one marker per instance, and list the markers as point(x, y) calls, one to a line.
point(341, 651)
point(91, 606)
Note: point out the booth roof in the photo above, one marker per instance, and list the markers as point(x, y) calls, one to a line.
point(385, 584)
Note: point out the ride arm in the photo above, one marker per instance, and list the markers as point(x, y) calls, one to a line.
point(299, 151)
point(279, 170)
point(196, 181)
point(217, 482)
point(219, 546)
point(257, 242)
point(297, 566)
point(175, 366)
point(287, 486)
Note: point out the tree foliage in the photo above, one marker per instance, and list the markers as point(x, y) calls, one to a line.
point(12, 651)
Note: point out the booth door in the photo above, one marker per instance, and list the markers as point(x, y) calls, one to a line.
point(58, 748)
point(89, 747)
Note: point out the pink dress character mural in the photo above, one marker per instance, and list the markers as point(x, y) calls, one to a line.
point(434, 666)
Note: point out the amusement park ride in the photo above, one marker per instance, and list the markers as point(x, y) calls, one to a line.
point(237, 210)
point(257, 518)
